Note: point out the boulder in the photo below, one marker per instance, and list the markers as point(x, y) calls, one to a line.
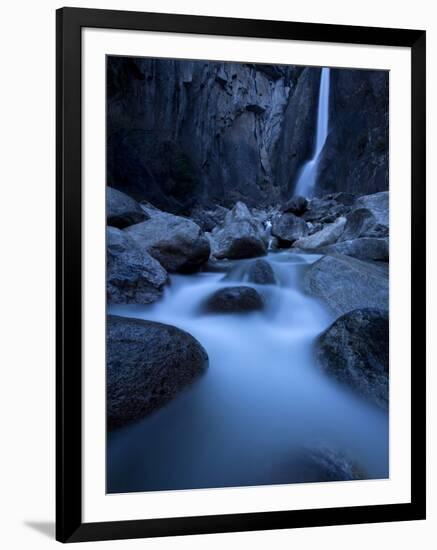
point(378, 204)
point(325, 210)
point(177, 243)
point(234, 299)
point(133, 276)
point(323, 464)
point(288, 228)
point(328, 235)
point(261, 272)
point(297, 206)
point(345, 283)
point(355, 351)
point(122, 210)
point(147, 364)
point(208, 218)
point(361, 222)
point(240, 236)
point(365, 248)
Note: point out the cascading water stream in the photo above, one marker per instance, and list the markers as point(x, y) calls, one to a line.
point(261, 398)
point(308, 176)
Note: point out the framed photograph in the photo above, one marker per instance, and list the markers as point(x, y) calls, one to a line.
point(240, 274)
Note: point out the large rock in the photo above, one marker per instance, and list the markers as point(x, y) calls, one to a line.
point(122, 210)
point(261, 272)
point(240, 237)
point(325, 210)
point(378, 204)
point(208, 218)
point(355, 351)
point(365, 248)
point(177, 243)
point(323, 464)
point(147, 364)
point(133, 276)
point(328, 235)
point(288, 228)
point(234, 299)
point(345, 283)
point(362, 223)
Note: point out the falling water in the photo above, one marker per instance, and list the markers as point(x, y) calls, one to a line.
point(261, 398)
point(307, 179)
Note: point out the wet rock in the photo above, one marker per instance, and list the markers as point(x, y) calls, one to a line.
point(177, 243)
point(324, 464)
point(122, 210)
point(288, 228)
point(234, 299)
point(241, 235)
point(355, 351)
point(260, 272)
point(328, 235)
point(133, 276)
point(378, 204)
point(325, 210)
point(345, 283)
point(147, 365)
point(365, 248)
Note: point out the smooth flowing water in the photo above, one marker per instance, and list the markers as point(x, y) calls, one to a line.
point(261, 398)
point(308, 176)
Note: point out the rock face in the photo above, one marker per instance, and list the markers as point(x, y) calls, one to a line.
point(365, 248)
point(355, 351)
point(326, 236)
point(122, 210)
point(355, 155)
point(234, 299)
point(182, 133)
point(177, 243)
point(345, 283)
point(260, 272)
point(241, 235)
point(133, 276)
point(288, 228)
point(147, 364)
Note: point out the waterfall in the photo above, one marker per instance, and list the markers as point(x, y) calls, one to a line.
point(308, 176)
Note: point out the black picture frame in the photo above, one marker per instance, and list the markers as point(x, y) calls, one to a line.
point(69, 525)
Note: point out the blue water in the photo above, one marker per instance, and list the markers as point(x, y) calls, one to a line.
point(261, 399)
point(308, 175)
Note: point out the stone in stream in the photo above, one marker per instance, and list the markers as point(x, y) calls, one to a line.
point(148, 363)
point(345, 283)
point(312, 465)
point(355, 351)
point(362, 223)
point(241, 235)
point(261, 272)
point(132, 276)
point(296, 205)
point(122, 210)
point(176, 242)
point(234, 299)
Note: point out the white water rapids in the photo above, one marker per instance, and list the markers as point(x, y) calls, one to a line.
point(261, 397)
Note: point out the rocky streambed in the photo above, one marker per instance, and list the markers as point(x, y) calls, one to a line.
point(247, 346)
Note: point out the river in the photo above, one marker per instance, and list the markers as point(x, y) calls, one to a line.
point(261, 399)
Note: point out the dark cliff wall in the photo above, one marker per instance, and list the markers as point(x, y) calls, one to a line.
point(186, 132)
point(355, 156)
